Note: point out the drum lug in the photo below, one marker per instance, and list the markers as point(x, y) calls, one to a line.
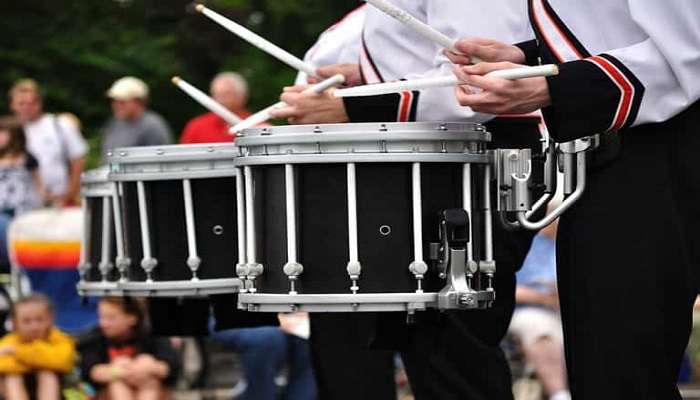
point(105, 268)
point(122, 264)
point(253, 271)
point(354, 269)
point(148, 265)
point(83, 269)
point(293, 270)
point(418, 269)
point(242, 270)
point(193, 263)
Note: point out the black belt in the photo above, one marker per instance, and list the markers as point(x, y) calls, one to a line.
point(607, 151)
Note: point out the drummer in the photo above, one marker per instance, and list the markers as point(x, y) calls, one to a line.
point(629, 250)
point(454, 355)
point(339, 342)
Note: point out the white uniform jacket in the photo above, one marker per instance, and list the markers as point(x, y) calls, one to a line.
point(391, 51)
point(623, 62)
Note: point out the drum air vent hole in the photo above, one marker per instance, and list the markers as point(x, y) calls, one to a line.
point(218, 230)
point(385, 230)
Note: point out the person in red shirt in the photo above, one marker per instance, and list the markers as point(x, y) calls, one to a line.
point(230, 90)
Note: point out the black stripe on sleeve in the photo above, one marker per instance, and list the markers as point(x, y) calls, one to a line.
point(565, 29)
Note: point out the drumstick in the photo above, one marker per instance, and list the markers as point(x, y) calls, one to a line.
point(258, 41)
point(443, 81)
point(264, 114)
point(418, 26)
point(206, 101)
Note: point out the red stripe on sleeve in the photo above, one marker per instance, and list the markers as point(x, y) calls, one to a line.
point(626, 91)
point(405, 106)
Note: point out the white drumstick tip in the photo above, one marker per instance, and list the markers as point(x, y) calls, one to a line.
point(199, 8)
point(175, 80)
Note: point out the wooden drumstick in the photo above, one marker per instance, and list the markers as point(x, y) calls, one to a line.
point(443, 81)
point(258, 41)
point(206, 101)
point(264, 114)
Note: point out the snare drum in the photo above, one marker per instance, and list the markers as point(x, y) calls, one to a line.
point(179, 216)
point(102, 250)
point(366, 217)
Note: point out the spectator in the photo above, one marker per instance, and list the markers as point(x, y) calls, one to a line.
point(230, 90)
point(58, 147)
point(536, 321)
point(20, 183)
point(266, 350)
point(132, 123)
point(121, 360)
point(35, 351)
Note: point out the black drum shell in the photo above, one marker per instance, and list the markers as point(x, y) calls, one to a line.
point(384, 199)
point(214, 203)
point(95, 207)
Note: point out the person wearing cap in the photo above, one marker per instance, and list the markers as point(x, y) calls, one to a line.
point(58, 146)
point(132, 123)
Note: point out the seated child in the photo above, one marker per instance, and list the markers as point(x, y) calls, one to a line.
point(121, 360)
point(36, 350)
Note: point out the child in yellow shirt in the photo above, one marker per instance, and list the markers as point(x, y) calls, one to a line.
point(35, 347)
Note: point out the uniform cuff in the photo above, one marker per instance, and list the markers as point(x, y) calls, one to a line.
point(531, 50)
point(591, 96)
point(394, 107)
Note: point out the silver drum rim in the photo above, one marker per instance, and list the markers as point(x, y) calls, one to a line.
point(192, 161)
point(187, 288)
point(95, 183)
point(335, 302)
point(365, 142)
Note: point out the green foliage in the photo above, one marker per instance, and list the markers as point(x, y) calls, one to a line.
point(77, 48)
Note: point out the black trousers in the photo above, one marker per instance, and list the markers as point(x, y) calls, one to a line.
point(344, 364)
point(450, 355)
point(628, 259)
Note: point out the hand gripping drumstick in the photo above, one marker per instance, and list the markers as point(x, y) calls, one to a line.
point(206, 101)
point(258, 41)
point(418, 26)
point(443, 81)
point(264, 115)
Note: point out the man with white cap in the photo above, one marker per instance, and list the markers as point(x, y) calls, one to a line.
point(132, 124)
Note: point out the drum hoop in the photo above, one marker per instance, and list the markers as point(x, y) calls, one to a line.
point(97, 175)
point(363, 137)
point(364, 158)
point(106, 189)
point(355, 129)
point(173, 153)
point(333, 302)
point(98, 289)
point(129, 176)
point(182, 288)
